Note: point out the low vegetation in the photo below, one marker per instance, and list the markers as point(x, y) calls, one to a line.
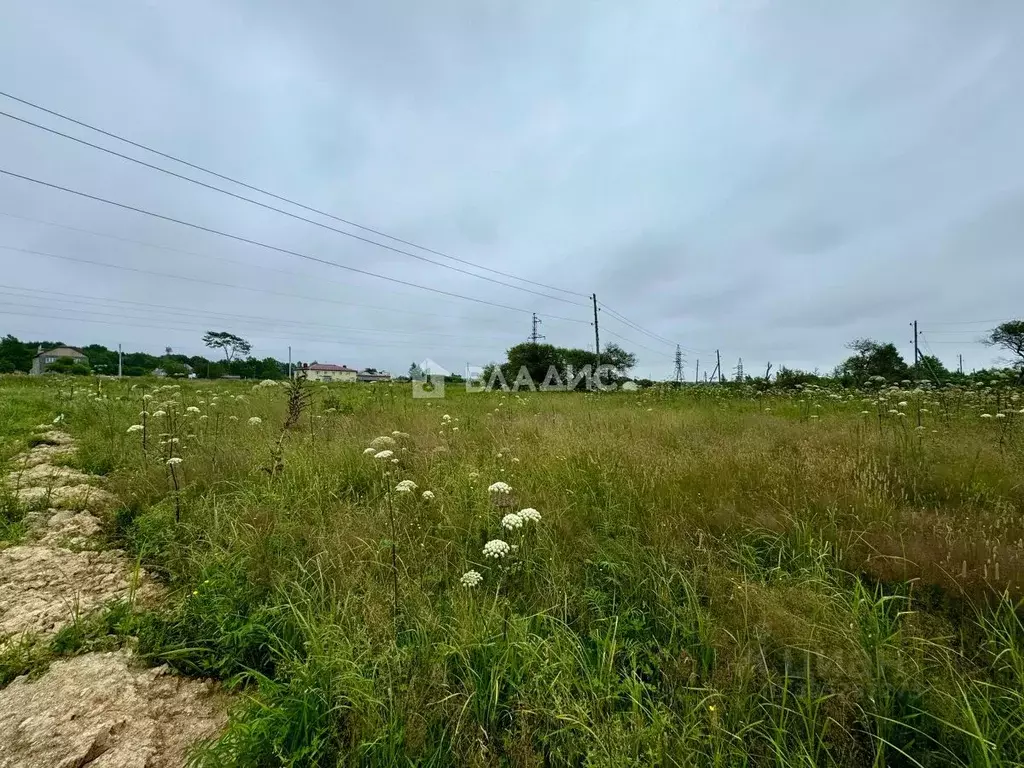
point(712, 575)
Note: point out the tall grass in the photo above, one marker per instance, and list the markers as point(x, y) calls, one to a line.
point(717, 578)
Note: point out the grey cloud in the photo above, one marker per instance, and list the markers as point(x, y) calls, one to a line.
point(768, 179)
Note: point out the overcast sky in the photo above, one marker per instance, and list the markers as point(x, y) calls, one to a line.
point(771, 178)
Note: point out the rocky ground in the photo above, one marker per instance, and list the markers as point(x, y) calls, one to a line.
point(98, 709)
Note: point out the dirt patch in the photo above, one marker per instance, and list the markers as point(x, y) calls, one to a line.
point(42, 454)
point(73, 497)
point(47, 475)
point(43, 588)
point(64, 528)
point(97, 710)
point(55, 437)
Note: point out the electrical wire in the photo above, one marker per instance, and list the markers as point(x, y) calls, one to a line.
point(631, 341)
point(281, 211)
point(260, 244)
point(225, 260)
point(144, 307)
point(262, 191)
point(199, 328)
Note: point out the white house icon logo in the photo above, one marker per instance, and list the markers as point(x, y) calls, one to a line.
point(431, 380)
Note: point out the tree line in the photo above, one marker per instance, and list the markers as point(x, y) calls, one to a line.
point(17, 356)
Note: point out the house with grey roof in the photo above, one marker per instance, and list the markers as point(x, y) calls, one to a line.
point(45, 358)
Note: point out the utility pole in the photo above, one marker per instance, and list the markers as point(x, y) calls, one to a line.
point(120, 368)
point(597, 336)
point(961, 364)
point(718, 366)
point(534, 336)
point(289, 361)
point(696, 373)
point(917, 352)
point(679, 364)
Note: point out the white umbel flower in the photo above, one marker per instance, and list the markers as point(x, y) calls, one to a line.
point(397, 433)
point(986, 415)
point(529, 515)
point(174, 461)
point(471, 579)
point(135, 428)
point(428, 495)
point(405, 486)
point(384, 455)
point(192, 409)
point(384, 441)
point(499, 487)
point(369, 451)
point(159, 413)
point(255, 421)
point(496, 548)
point(511, 521)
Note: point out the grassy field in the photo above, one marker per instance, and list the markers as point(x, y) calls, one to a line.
point(717, 577)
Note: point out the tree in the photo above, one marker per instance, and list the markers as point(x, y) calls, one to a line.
point(6, 366)
point(229, 343)
point(873, 358)
point(931, 368)
point(18, 354)
point(68, 365)
point(1010, 336)
point(540, 360)
point(415, 372)
point(173, 367)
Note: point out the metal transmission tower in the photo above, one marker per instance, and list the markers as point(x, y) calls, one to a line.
point(534, 335)
point(679, 364)
point(739, 371)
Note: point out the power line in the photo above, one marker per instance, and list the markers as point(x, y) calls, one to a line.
point(281, 211)
point(215, 283)
point(640, 329)
point(238, 262)
point(629, 341)
point(200, 328)
point(145, 307)
point(250, 241)
point(262, 191)
point(968, 322)
point(636, 326)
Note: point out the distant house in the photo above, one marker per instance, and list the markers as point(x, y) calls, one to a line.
point(44, 359)
point(326, 372)
point(371, 377)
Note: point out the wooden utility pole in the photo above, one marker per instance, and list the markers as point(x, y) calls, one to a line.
point(961, 364)
point(718, 366)
point(120, 368)
point(917, 352)
point(696, 373)
point(597, 335)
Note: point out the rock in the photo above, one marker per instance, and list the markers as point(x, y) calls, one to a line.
point(47, 475)
point(56, 437)
point(41, 454)
point(43, 588)
point(73, 497)
point(98, 710)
